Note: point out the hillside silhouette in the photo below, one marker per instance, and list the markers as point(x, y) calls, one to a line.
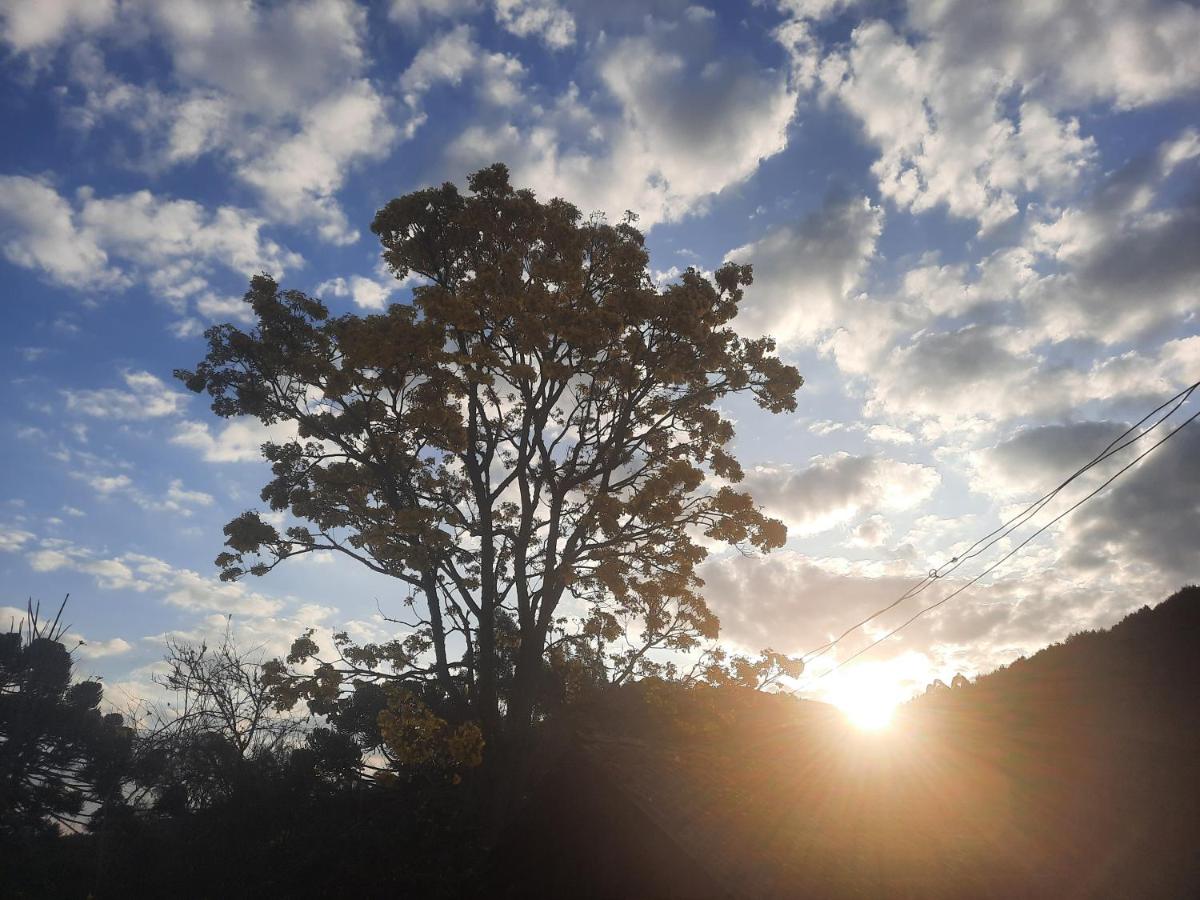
point(1070, 773)
point(1073, 773)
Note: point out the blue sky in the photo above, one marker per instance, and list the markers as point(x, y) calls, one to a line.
point(975, 228)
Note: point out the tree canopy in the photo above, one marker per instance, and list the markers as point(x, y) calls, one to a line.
point(59, 754)
point(534, 448)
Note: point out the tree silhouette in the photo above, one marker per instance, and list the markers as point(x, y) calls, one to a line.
point(217, 731)
point(532, 449)
point(60, 757)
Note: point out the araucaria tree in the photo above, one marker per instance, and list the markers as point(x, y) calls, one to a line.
point(534, 448)
point(61, 759)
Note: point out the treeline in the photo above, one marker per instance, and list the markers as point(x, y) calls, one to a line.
point(1072, 773)
point(214, 790)
point(238, 783)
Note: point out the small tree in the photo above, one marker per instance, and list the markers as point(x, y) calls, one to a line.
point(60, 758)
point(529, 449)
point(217, 731)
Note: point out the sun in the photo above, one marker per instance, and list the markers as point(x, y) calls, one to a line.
point(869, 703)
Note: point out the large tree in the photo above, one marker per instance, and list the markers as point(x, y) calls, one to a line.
point(534, 448)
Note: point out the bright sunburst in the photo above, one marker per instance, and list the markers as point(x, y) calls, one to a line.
point(867, 701)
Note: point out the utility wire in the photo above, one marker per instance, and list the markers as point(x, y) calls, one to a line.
point(989, 540)
point(1015, 549)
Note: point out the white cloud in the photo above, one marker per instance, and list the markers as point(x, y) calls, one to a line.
point(943, 133)
point(871, 532)
point(178, 499)
point(368, 293)
point(300, 176)
point(974, 376)
point(956, 289)
point(239, 441)
point(13, 539)
point(804, 273)
point(838, 488)
point(412, 12)
point(147, 397)
point(543, 19)
point(889, 434)
point(1141, 530)
point(151, 231)
point(144, 574)
point(801, 602)
point(110, 484)
point(37, 231)
point(453, 57)
point(224, 309)
point(1123, 262)
point(277, 91)
point(92, 649)
point(691, 118)
point(1036, 458)
point(48, 560)
point(271, 59)
point(32, 24)
point(173, 246)
point(1128, 52)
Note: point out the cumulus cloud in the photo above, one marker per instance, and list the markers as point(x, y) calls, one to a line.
point(1142, 527)
point(300, 177)
point(871, 532)
point(543, 19)
point(173, 246)
point(109, 484)
point(33, 24)
point(889, 434)
point(145, 574)
point(800, 602)
point(13, 539)
point(1147, 521)
point(239, 441)
point(1124, 263)
point(979, 375)
point(804, 274)
point(680, 119)
point(453, 57)
point(943, 131)
point(838, 488)
point(413, 12)
point(94, 649)
point(146, 397)
point(936, 96)
point(176, 499)
point(1127, 52)
point(1114, 267)
point(38, 231)
point(277, 91)
point(150, 231)
point(1037, 457)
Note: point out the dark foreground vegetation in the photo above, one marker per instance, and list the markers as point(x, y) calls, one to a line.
point(1072, 773)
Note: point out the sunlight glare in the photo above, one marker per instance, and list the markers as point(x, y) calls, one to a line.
point(867, 702)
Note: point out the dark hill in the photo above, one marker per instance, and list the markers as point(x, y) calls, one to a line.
point(1074, 773)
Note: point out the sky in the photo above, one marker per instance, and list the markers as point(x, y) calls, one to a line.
point(974, 227)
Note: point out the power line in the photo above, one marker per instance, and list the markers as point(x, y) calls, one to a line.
point(1008, 555)
point(1004, 530)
